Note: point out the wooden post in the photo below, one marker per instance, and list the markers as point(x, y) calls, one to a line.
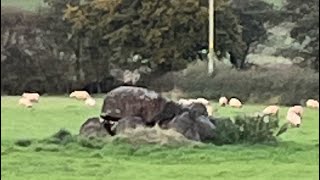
point(211, 61)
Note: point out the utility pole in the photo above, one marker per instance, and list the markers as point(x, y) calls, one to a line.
point(211, 54)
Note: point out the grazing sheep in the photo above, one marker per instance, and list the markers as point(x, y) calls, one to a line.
point(296, 109)
point(209, 110)
point(234, 102)
point(90, 102)
point(25, 102)
point(294, 119)
point(203, 101)
point(271, 110)
point(193, 101)
point(80, 95)
point(187, 102)
point(184, 102)
point(33, 97)
point(223, 101)
point(311, 103)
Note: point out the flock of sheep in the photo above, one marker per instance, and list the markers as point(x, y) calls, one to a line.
point(294, 114)
point(27, 99)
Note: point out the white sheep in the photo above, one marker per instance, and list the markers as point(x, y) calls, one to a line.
point(223, 101)
point(184, 102)
point(209, 110)
point(25, 102)
point(33, 97)
point(193, 100)
point(296, 109)
point(234, 102)
point(203, 101)
point(80, 95)
point(293, 118)
point(90, 102)
point(271, 110)
point(311, 103)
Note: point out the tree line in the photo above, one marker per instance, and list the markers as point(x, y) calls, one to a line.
point(73, 43)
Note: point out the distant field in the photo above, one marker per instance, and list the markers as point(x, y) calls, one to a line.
point(296, 157)
point(23, 4)
point(276, 3)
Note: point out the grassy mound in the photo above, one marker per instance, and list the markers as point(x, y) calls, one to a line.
point(243, 129)
point(62, 137)
point(155, 135)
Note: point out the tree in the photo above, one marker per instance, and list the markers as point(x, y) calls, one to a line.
point(83, 40)
point(306, 17)
point(164, 33)
point(251, 19)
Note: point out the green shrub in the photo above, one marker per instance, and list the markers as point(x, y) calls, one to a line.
point(258, 128)
point(249, 129)
point(226, 132)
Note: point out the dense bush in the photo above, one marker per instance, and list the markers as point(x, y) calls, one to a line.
point(246, 129)
point(281, 86)
point(226, 132)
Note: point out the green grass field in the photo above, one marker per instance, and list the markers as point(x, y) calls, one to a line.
point(31, 5)
point(296, 156)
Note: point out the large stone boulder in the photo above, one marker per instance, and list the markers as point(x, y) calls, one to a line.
point(130, 122)
point(132, 101)
point(92, 127)
point(197, 108)
point(192, 126)
point(169, 111)
point(128, 107)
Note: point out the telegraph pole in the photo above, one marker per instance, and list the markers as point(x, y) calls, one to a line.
point(211, 54)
